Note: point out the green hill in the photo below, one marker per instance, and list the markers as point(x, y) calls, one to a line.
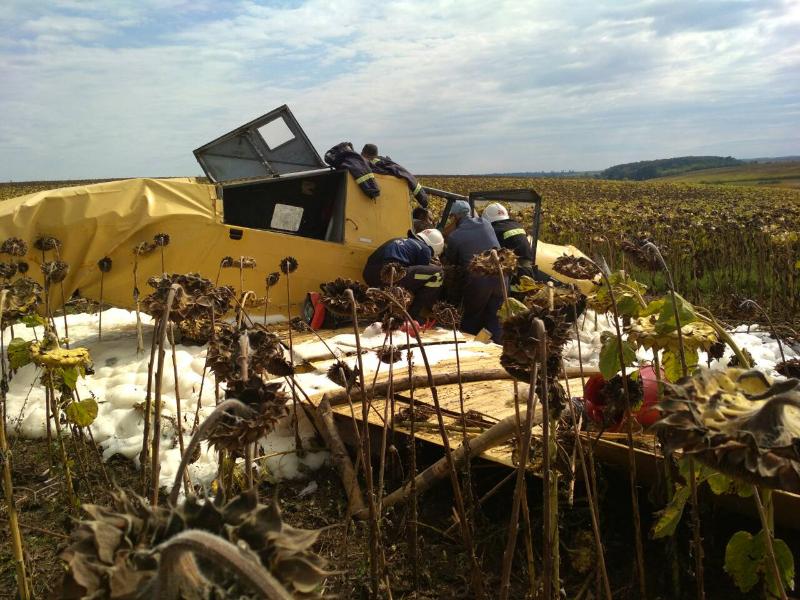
point(650, 169)
point(781, 173)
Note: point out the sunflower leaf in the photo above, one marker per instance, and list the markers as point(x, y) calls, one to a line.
point(666, 317)
point(609, 355)
point(670, 516)
point(19, 353)
point(742, 559)
point(82, 413)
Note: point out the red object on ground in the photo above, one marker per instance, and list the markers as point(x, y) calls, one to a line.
point(407, 328)
point(319, 311)
point(429, 324)
point(647, 413)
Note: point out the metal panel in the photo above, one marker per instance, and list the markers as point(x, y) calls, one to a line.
point(271, 145)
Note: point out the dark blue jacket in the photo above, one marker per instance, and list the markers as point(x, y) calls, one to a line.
point(472, 236)
point(386, 166)
point(342, 156)
point(409, 252)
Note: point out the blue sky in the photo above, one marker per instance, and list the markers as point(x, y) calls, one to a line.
point(110, 88)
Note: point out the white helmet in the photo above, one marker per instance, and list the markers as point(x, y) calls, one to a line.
point(495, 212)
point(434, 239)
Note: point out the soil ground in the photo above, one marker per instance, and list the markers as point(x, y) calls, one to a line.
point(442, 569)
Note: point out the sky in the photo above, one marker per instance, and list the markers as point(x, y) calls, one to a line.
point(117, 88)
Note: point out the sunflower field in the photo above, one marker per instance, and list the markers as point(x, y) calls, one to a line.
point(723, 244)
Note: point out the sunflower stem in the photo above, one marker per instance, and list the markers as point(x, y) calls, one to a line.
point(637, 523)
point(366, 453)
point(23, 582)
point(161, 329)
point(202, 433)
point(767, 527)
point(524, 440)
point(478, 586)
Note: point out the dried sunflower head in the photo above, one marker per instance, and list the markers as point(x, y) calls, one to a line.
point(521, 349)
point(738, 422)
point(299, 324)
point(612, 398)
point(116, 553)
point(279, 366)
point(566, 299)
point(143, 248)
point(641, 255)
point(14, 246)
point(197, 331)
point(385, 306)
point(22, 266)
point(161, 239)
point(392, 272)
point(55, 271)
point(272, 279)
point(155, 304)
point(245, 262)
point(576, 267)
point(225, 352)
point(46, 242)
point(104, 264)
point(226, 262)
point(716, 350)
point(485, 263)
point(520, 343)
point(421, 413)
point(789, 368)
point(337, 301)
point(196, 297)
point(734, 361)
point(24, 295)
point(389, 354)
point(8, 270)
point(446, 314)
point(265, 406)
point(288, 265)
point(342, 374)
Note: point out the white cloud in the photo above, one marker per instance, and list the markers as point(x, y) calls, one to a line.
point(122, 88)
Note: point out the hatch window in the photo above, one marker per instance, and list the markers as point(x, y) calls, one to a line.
point(276, 133)
point(310, 206)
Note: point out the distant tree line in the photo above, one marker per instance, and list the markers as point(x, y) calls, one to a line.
point(650, 169)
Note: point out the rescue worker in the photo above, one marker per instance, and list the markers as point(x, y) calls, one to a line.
point(511, 234)
point(383, 165)
point(421, 219)
point(483, 295)
point(415, 253)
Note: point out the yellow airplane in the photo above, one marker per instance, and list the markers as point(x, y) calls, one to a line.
point(270, 196)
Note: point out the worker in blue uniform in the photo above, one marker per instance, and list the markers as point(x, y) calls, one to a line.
point(483, 294)
point(415, 253)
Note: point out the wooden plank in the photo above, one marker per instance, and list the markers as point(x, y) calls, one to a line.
point(493, 400)
point(343, 343)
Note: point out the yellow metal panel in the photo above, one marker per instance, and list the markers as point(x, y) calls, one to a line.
point(370, 222)
point(109, 219)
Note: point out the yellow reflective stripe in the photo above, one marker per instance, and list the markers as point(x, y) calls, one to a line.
point(434, 280)
point(513, 232)
point(363, 178)
point(417, 189)
point(374, 161)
